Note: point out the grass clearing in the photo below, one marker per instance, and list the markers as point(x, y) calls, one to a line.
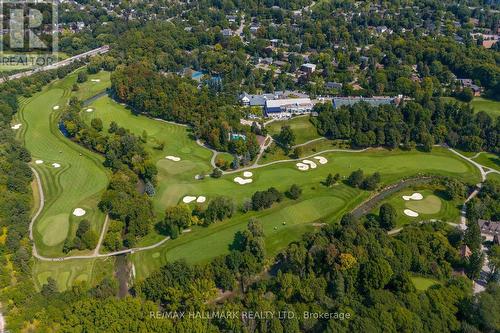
point(423, 283)
point(303, 129)
point(489, 160)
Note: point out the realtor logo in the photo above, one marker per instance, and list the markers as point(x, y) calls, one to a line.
point(28, 31)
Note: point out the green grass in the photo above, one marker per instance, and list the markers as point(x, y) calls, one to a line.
point(423, 283)
point(433, 206)
point(79, 181)
point(71, 272)
point(489, 160)
point(303, 129)
point(91, 88)
point(489, 106)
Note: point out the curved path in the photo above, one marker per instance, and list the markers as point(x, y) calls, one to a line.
point(95, 253)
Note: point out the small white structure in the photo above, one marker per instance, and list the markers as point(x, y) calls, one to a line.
point(79, 212)
point(173, 158)
point(188, 199)
point(321, 159)
point(311, 164)
point(414, 196)
point(302, 166)
point(242, 181)
point(410, 213)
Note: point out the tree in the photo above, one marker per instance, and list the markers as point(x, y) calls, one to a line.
point(370, 183)
point(494, 263)
point(355, 178)
point(82, 77)
point(294, 192)
point(286, 137)
point(455, 189)
point(50, 288)
point(330, 180)
point(96, 124)
point(387, 216)
point(216, 173)
point(475, 264)
point(472, 236)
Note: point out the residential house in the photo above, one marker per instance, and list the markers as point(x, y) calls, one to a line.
point(308, 68)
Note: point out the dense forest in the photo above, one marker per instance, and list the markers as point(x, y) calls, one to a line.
point(409, 124)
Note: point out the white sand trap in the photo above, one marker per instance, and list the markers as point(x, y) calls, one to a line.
point(321, 159)
point(173, 158)
point(95, 80)
point(188, 199)
point(201, 199)
point(302, 166)
point(414, 196)
point(38, 162)
point(242, 181)
point(16, 126)
point(79, 212)
point(310, 163)
point(89, 110)
point(56, 107)
point(247, 174)
point(56, 165)
point(410, 213)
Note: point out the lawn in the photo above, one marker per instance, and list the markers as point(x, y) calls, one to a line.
point(95, 84)
point(489, 106)
point(67, 273)
point(78, 182)
point(423, 283)
point(303, 129)
point(489, 160)
point(434, 205)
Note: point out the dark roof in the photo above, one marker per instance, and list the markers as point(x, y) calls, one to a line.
point(489, 227)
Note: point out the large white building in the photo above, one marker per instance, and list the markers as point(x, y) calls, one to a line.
point(285, 108)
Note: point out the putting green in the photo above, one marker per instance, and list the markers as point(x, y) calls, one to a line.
point(430, 204)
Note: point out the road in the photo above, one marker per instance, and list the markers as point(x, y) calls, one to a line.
point(91, 53)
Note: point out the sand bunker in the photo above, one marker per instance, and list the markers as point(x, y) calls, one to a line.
point(56, 165)
point(56, 107)
point(89, 110)
point(16, 126)
point(242, 181)
point(188, 199)
point(79, 212)
point(201, 199)
point(302, 166)
point(38, 162)
point(414, 196)
point(410, 213)
point(310, 163)
point(321, 159)
point(247, 174)
point(95, 80)
point(173, 158)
